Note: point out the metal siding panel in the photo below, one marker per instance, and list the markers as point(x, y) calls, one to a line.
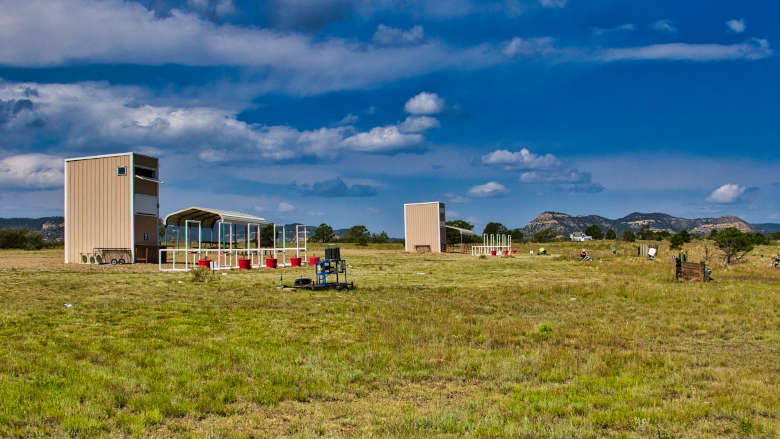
point(423, 226)
point(98, 205)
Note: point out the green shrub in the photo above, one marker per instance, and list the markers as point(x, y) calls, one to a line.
point(201, 275)
point(545, 329)
point(25, 239)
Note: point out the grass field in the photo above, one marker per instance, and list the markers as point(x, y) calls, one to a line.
point(428, 345)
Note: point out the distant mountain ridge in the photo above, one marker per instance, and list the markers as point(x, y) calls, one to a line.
point(564, 224)
point(51, 227)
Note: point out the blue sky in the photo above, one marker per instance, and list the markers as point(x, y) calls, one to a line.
point(340, 111)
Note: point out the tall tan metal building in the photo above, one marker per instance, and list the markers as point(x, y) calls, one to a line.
point(424, 227)
point(111, 208)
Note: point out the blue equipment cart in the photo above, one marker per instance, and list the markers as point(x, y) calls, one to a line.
point(331, 273)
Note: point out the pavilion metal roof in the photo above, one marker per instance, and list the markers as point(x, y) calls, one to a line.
point(209, 217)
point(461, 230)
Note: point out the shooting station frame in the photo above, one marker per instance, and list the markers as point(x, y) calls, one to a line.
point(227, 253)
point(493, 245)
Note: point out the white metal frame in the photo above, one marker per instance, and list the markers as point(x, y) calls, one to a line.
point(297, 249)
point(490, 243)
point(226, 256)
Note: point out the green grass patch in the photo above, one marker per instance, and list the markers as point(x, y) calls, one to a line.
point(428, 345)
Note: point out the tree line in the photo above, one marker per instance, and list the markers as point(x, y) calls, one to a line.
point(645, 233)
point(24, 239)
point(358, 234)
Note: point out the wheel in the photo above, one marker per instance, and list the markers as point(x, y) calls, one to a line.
point(113, 262)
point(121, 261)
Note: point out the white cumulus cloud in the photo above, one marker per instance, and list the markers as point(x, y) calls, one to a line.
point(726, 194)
point(488, 190)
point(381, 139)
point(84, 115)
point(523, 159)
point(418, 124)
point(542, 169)
point(425, 103)
point(736, 25)
point(529, 46)
point(35, 171)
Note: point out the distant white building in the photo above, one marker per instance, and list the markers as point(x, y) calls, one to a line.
point(580, 237)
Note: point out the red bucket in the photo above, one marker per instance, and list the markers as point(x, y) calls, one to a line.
point(514, 251)
point(244, 264)
point(295, 262)
point(313, 260)
point(204, 263)
point(270, 262)
point(492, 252)
point(506, 252)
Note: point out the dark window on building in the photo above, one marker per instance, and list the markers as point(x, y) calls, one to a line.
point(143, 172)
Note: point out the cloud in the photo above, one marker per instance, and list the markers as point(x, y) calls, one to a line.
point(664, 25)
point(542, 169)
point(552, 3)
point(455, 198)
point(349, 119)
point(31, 171)
point(309, 15)
point(211, 155)
point(285, 207)
point(727, 194)
point(571, 180)
point(628, 27)
point(529, 47)
point(736, 25)
point(523, 159)
point(425, 103)
point(213, 8)
point(418, 124)
point(545, 48)
point(490, 189)
point(39, 33)
point(389, 36)
point(379, 139)
point(336, 188)
point(80, 116)
point(753, 49)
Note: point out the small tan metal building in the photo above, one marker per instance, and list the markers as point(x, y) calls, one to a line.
point(424, 227)
point(111, 208)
